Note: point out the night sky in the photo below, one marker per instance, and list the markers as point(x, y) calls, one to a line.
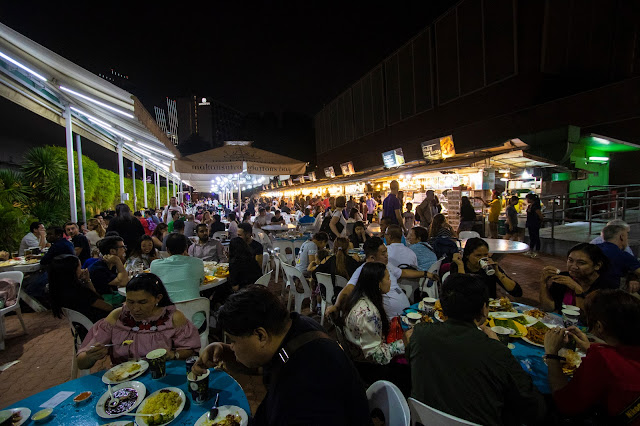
point(253, 56)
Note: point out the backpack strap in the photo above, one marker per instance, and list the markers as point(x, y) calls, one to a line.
point(427, 245)
point(291, 347)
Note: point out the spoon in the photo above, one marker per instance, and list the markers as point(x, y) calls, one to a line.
point(213, 412)
point(114, 401)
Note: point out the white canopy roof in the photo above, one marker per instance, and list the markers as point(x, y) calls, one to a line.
point(45, 83)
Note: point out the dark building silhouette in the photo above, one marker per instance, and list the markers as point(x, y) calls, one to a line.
point(552, 74)
point(213, 122)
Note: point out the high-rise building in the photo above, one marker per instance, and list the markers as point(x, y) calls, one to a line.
point(213, 122)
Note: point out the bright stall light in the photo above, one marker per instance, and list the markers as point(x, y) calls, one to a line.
point(97, 102)
point(598, 158)
point(504, 179)
point(601, 140)
point(24, 67)
point(526, 175)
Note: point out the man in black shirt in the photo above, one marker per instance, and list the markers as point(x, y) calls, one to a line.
point(108, 273)
point(460, 367)
point(291, 349)
point(245, 231)
point(80, 242)
point(216, 225)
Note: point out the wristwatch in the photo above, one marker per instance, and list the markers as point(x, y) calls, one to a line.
point(426, 274)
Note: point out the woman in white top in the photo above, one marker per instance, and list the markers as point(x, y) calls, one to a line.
point(366, 328)
point(366, 324)
point(96, 232)
point(338, 217)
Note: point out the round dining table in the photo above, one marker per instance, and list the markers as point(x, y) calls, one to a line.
point(204, 286)
point(528, 355)
point(68, 413)
point(499, 246)
point(279, 228)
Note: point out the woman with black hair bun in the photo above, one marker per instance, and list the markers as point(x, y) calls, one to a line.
point(149, 320)
point(475, 260)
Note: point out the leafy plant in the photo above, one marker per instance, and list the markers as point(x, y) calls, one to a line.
point(13, 187)
point(14, 225)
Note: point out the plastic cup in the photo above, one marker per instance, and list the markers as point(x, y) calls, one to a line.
point(570, 317)
point(503, 334)
point(157, 363)
point(199, 387)
point(429, 301)
point(190, 362)
point(570, 307)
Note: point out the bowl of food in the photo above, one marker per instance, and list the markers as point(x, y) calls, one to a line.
point(42, 415)
point(82, 397)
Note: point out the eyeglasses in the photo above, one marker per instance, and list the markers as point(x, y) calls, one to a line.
point(122, 247)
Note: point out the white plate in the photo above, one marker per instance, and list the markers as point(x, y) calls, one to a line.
point(141, 422)
point(144, 365)
point(138, 386)
point(223, 411)
point(436, 315)
point(25, 414)
point(118, 423)
point(504, 314)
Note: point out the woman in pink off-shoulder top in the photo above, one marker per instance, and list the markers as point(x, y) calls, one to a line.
point(148, 318)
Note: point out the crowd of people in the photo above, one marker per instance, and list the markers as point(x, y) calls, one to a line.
point(458, 366)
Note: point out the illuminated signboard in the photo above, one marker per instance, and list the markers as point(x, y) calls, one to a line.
point(393, 158)
point(347, 168)
point(437, 149)
point(329, 172)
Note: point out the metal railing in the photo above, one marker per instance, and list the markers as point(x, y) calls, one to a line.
point(598, 204)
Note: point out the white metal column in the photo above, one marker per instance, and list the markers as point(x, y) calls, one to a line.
point(133, 181)
point(70, 169)
point(121, 171)
point(175, 188)
point(144, 182)
point(81, 179)
point(168, 196)
point(157, 185)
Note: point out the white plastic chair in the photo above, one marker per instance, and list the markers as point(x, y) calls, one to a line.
point(76, 319)
point(432, 291)
point(264, 280)
point(219, 234)
point(341, 281)
point(292, 273)
point(281, 260)
point(16, 276)
point(422, 414)
point(387, 397)
point(265, 262)
point(283, 245)
point(324, 281)
point(190, 307)
point(464, 235)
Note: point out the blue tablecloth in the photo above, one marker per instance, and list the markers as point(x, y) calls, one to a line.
point(67, 413)
point(529, 356)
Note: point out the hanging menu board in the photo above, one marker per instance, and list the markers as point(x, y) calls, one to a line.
point(329, 172)
point(347, 168)
point(453, 207)
point(393, 158)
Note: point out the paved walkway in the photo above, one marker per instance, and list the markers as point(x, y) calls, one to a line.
point(45, 353)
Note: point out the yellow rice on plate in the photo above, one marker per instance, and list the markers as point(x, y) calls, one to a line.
point(162, 402)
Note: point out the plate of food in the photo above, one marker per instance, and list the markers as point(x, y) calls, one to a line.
point(518, 327)
point(572, 362)
point(503, 304)
point(15, 416)
point(438, 314)
point(129, 396)
point(120, 423)
point(165, 405)
point(228, 415)
point(523, 319)
point(125, 371)
point(536, 313)
point(535, 334)
point(222, 271)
